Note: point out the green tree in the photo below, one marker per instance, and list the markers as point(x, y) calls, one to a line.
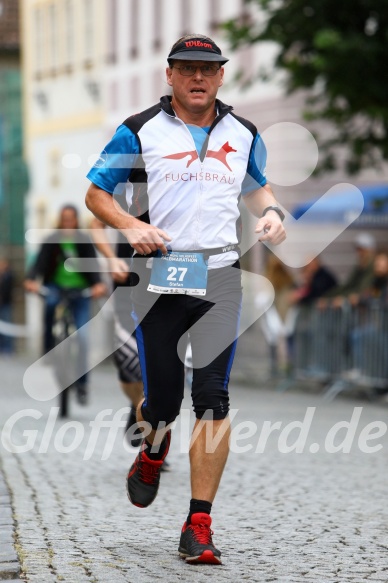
point(337, 50)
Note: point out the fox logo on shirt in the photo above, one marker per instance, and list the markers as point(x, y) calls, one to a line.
point(193, 155)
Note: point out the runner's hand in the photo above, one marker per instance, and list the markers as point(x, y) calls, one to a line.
point(272, 226)
point(146, 239)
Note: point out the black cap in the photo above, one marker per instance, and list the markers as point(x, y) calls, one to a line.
point(197, 49)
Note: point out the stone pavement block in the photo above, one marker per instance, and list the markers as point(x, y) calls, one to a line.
point(7, 551)
point(9, 570)
point(6, 515)
point(6, 534)
point(3, 488)
point(45, 577)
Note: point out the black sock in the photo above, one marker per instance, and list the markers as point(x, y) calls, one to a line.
point(198, 506)
point(158, 452)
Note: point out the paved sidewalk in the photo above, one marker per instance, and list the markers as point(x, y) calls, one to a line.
point(314, 516)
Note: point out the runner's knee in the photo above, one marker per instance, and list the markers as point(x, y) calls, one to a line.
point(160, 413)
point(211, 403)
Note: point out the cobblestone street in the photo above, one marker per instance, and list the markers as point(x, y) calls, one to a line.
point(314, 516)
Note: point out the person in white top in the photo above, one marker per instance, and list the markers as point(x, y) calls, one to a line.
point(189, 159)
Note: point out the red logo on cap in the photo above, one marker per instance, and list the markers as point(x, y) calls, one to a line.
point(219, 155)
point(198, 43)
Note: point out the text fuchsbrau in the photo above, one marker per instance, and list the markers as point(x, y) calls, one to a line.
point(200, 176)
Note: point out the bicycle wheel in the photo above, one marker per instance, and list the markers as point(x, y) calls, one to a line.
point(61, 362)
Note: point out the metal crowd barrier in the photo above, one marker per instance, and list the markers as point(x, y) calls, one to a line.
point(343, 348)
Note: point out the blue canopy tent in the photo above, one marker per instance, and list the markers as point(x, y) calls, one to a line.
point(336, 208)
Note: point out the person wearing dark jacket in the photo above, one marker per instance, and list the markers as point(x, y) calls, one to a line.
point(360, 278)
point(6, 287)
point(49, 269)
point(318, 280)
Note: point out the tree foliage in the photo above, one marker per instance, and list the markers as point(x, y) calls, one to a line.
point(338, 51)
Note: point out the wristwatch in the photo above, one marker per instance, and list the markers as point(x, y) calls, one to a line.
point(276, 209)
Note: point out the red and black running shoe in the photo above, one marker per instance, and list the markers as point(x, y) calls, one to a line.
point(144, 476)
point(196, 545)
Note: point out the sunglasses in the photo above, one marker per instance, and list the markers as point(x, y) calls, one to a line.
point(206, 70)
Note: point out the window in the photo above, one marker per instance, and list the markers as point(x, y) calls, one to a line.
point(134, 91)
point(88, 27)
point(114, 93)
point(54, 168)
point(214, 14)
point(134, 29)
point(53, 38)
point(186, 17)
point(38, 41)
point(159, 84)
point(112, 31)
point(69, 35)
point(245, 18)
point(158, 24)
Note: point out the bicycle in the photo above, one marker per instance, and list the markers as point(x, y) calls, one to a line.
point(67, 356)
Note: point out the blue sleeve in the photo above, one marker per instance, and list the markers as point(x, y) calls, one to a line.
point(256, 172)
point(116, 161)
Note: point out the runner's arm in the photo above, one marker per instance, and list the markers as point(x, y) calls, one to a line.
point(258, 200)
point(117, 266)
point(143, 237)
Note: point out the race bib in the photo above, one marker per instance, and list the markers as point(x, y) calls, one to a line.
point(179, 272)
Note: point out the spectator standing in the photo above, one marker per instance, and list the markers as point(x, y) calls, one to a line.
point(368, 334)
point(6, 289)
point(361, 276)
point(317, 281)
point(278, 321)
point(379, 286)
